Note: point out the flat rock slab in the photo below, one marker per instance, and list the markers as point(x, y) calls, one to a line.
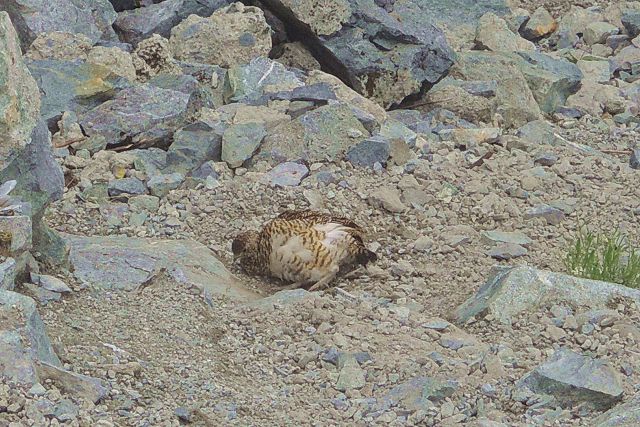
point(514, 290)
point(573, 379)
point(624, 415)
point(125, 263)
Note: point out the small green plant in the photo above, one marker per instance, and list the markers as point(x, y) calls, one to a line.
point(606, 257)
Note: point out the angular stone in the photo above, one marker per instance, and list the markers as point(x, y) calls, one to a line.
point(631, 22)
point(514, 237)
point(192, 146)
point(134, 111)
point(144, 203)
point(161, 185)
point(81, 386)
point(624, 415)
point(513, 96)
point(19, 97)
point(240, 142)
point(125, 263)
point(367, 153)
point(23, 339)
point(573, 379)
point(494, 34)
point(323, 134)
point(388, 199)
point(553, 215)
point(382, 57)
point(39, 182)
point(60, 46)
point(513, 290)
point(634, 160)
point(540, 24)
point(50, 283)
point(249, 82)
point(72, 86)
point(287, 174)
point(72, 16)
point(351, 376)
point(598, 71)
point(20, 229)
point(233, 35)
point(115, 59)
point(136, 24)
point(8, 273)
point(507, 251)
point(551, 80)
point(420, 393)
point(597, 32)
point(128, 186)
point(41, 295)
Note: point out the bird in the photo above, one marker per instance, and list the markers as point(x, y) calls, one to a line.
point(304, 247)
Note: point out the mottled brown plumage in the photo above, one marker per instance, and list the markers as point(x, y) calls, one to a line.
point(302, 247)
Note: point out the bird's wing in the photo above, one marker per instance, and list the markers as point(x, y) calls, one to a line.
point(313, 218)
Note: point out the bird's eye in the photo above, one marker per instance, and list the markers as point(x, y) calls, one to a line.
point(237, 246)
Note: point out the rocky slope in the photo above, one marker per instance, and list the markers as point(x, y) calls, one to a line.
point(472, 140)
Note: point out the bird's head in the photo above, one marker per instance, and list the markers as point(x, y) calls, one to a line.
point(244, 246)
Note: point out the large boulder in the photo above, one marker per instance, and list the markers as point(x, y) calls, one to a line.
point(76, 86)
point(233, 35)
point(138, 24)
point(511, 291)
point(32, 17)
point(572, 379)
point(23, 339)
point(19, 97)
point(624, 415)
point(26, 152)
point(126, 263)
point(380, 55)
point(135, 111)
point(323, 134)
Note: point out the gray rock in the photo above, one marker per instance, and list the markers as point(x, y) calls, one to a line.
point(20, 229)
point(287, 174)
point(41, 295)
point(554, 216)
point(540, 24)
point(192, 146)
point(19, 110)
point(634, 160)
point(31, 18)
point(134, 111)
point(138, 24)
point(514, 99)
point(382, 57)
point(513, 290)
point(151, 161)
point(125, 263)
point(624, 415)
point(23, 339)
point(507, 251)
point(179, 83)
point(78, 385)
point(597, 32)
point(631, 22)
point(551, 80)
point(161, 185)
point(50, 283)
point(367, 153)
point(127, 186)
point(417, 394)
point(514, 237)
point(249, 82)
point(8, 273)
point(74, 86)
point(241, 141)
point(351, 375)
point(65, 410)
point(573, 379)
point(39, 182)
point(323, 134)
point(545, 159)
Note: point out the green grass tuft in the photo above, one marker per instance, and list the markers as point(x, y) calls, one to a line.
point(606, 257)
